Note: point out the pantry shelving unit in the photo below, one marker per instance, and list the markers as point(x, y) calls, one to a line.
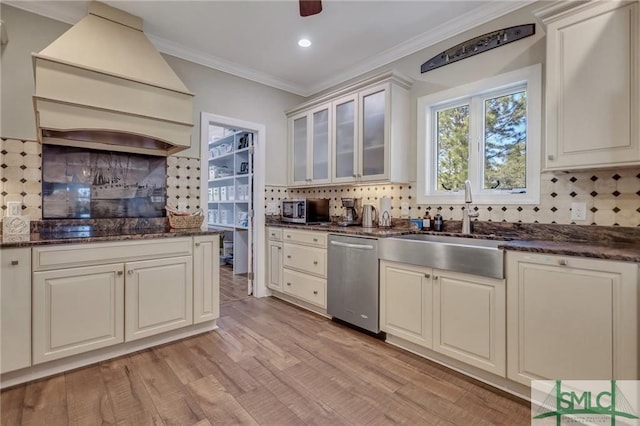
point(229, 191)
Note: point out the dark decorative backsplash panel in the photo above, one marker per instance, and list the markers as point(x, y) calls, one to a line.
point(83, 183)
point(21, 178)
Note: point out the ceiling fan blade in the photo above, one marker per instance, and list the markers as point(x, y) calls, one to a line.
point(310, 7)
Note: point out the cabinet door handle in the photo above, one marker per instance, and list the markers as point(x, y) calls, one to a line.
point(197, 244)
point(15, 262)
point(427, 275)
point(550, 157)
point(315, 262)
point(288, 283)
point(288, 236)
point(315, 291)
point(435, 277)
point(288, 256)
point(563, 262)
point(315, 240)
point(279, 248)
point(130, 272)
point(120, 273)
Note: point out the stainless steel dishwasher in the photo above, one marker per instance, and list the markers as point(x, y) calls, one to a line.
point(352, 281)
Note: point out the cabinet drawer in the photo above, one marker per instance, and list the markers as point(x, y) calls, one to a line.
point(317, 239)
point(306, 259)
point(65, 256)
point(274, 234)
point(308, 288)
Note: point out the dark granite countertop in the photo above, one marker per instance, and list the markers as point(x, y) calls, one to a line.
point(611, 243)
point(86, 232)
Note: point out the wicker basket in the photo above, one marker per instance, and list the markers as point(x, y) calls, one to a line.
point(184, 222)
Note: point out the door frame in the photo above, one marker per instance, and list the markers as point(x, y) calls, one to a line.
point(259, 174)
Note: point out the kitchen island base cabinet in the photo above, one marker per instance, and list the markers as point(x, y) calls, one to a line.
point(572, 318)
point(159, 296)
point(76, 310)
point(15, 309)
point(405, 303)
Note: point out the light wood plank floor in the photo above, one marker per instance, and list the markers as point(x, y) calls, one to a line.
point(232, 287)
point(269, 363)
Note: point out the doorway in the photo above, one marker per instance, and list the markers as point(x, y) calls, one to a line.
point(232, 173)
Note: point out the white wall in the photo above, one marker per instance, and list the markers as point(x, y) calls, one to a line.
point(216, 92)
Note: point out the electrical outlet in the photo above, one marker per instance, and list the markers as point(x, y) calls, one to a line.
point(578, 211)
point(404, 209)
point(272, 208)
point(14, 208)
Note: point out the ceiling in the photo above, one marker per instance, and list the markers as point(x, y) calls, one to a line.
point(258, 39)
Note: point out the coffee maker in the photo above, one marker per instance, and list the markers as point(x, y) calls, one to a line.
point(351, 208)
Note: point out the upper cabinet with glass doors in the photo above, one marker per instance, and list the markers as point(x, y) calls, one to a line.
point(368, 134)
point(311, 146)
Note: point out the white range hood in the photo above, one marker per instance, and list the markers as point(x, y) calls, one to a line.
point(103, 85)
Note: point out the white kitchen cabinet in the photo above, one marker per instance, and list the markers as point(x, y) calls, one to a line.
point(368, 133)
point(469, 314)
point(158, 296)
point(76, 310)
point(206, 278)
point(406, 300)
point(310, 146)
point(298, 266)
point(274, 259)
point(571, 318)
point(15, 308)
point(593, 86)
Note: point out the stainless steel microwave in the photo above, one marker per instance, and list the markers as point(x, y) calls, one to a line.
point(310, 210)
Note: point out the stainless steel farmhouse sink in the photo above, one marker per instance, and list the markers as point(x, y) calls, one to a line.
point(469, 255)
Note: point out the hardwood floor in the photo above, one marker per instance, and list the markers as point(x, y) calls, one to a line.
point(232, 287)
point(269, 363)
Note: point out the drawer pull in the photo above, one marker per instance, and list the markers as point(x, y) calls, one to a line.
point(288, 236)
point(288, 256)
point(288, 283)
point(427, 275)
point(15, 262)
point(315, 291)
point(435, 277)
point(563, 262)
point(315, 240)
point(315, 262)
point(130, 272)
point(120, 273)
point(197, 244)
point(279, 248)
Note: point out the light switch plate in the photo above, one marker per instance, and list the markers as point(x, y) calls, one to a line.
point(13, 208)
point(272, 208)
point(578, 211)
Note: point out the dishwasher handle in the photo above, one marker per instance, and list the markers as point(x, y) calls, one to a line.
point(354, 246)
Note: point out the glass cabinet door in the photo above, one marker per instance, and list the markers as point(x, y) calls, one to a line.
point(300, 149)
point(373, 134)
point(320, 142)
point(345, 131)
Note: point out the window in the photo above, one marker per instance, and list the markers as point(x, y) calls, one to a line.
point(487, 132)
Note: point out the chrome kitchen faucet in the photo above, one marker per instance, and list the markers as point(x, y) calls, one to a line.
point(467, 214)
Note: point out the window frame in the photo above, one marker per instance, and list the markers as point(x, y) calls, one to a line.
point(475, 94)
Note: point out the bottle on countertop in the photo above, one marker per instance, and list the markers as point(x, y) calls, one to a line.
point(426, 222)
point(438, 223)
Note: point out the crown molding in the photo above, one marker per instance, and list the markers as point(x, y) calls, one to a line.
point(465, 22)
point(210, 61)
point(440, 33)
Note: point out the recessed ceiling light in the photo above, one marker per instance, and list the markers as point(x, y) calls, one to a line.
point(303, 42)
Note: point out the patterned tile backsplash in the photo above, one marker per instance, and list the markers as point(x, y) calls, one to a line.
point(21, 178)
point(612, 198)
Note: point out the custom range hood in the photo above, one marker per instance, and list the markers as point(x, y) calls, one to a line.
point(103, 85)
